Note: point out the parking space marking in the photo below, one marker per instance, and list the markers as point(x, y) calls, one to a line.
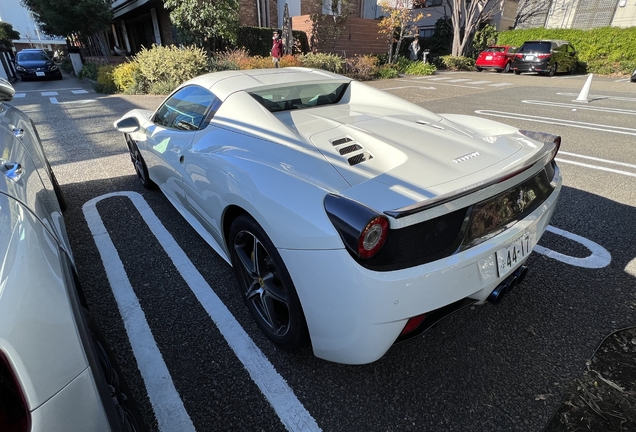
point(599, 257)
point(410, 87)
point(440, 79)
point(628, 99)
point(166, 403)
point(608, 161)
point(54, 101)
point(49, 93)
point(562, 122)
point(459, 80)
point(478, 82)
point(79, 91)
point(19, 95)
point(580, 107)
point(285, 403)
point(596, 167)
point(500, 85)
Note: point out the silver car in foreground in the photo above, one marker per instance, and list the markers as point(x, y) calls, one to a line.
point(56, 371)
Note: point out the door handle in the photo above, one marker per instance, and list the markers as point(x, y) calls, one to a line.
point(19, 133)
point(13, 171)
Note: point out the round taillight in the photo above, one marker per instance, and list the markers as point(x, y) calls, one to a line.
point(373, 237)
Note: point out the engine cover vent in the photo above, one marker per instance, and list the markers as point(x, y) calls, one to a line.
point(349, 149)
point(341, 141)
point(362, 157)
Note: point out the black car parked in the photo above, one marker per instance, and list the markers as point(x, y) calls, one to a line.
point(634, 76)
point(35, 63)
point(546, 57)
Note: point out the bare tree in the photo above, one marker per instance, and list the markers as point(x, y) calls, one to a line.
point(399, 18)
point(466, 16)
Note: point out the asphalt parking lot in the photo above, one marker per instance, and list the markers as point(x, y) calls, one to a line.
point(171, 310)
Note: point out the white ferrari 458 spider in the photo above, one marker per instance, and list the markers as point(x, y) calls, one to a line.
point(353, 218)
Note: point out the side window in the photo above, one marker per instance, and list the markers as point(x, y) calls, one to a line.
point(186, 109)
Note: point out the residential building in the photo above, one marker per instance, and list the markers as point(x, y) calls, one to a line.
point(577, 14)
point(12, 12)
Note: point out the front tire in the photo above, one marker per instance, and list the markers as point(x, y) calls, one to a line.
point(140, 165)
point(266, 285)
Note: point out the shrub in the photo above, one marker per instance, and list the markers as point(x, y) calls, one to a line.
point(458, 62)
point(230, 59)
point(105, 82)
point(363, 68)
point(124, 77)
point(162, 87)
point(387, 72)
point(604, 50)
point(288, 61)
point(328, 62)
point(89, 71)
point(420, 68)
point(170, 64)
point(67, 66)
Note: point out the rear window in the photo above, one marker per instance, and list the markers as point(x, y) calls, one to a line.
point(299, 96)
point(535, 47)
point(496, 49)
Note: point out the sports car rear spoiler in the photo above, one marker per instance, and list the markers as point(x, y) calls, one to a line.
point(546, 154)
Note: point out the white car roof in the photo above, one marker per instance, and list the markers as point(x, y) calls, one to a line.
point(223, 84)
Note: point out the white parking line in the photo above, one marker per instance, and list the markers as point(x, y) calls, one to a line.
point(49, 93)
point(478, 82)
point(409, 87)
point(289, 409)
point(596, 167)
point(54, 101)
point(459, 80)
point(19, 95)
point(562, 122)
point(607, 161)
point(500, 85)
point(440, 79)
point(164, 398)
point(601, 97)
point(580, 107)
point(599, 257)
point(79, 91)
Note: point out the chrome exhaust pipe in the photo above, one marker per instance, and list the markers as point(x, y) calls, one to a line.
point(510, 282)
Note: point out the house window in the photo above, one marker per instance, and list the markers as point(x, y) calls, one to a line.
point(427, 33)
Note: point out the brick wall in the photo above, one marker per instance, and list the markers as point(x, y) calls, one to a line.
point(359, 36)
point(248, 13)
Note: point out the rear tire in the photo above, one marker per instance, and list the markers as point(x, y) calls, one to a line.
point(266, 285)
point(479, 69)
point(517, 72)
point(506, 68)
point(553, 69)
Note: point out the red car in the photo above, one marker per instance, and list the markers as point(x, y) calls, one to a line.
point(496, 57)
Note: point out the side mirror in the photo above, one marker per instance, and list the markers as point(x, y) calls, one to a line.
point(127, 125)
point(6, 90)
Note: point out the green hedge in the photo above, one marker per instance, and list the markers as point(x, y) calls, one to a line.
point(604, 50)
point(258, 40)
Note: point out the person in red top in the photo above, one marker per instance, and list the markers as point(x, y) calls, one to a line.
point(277, 48)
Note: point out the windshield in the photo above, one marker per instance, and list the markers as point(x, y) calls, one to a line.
point(32, 56)
point(298, 96)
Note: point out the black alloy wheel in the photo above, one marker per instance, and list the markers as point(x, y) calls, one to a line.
point(140, 165)
point(506, 68)
point(553, 69)
point(266, 285)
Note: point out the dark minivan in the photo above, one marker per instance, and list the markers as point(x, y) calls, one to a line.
point(547, 57)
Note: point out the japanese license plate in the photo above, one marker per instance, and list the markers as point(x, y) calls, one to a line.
point(488, 57)
point(508, 257)
point(529, 57)
point(39, 73)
